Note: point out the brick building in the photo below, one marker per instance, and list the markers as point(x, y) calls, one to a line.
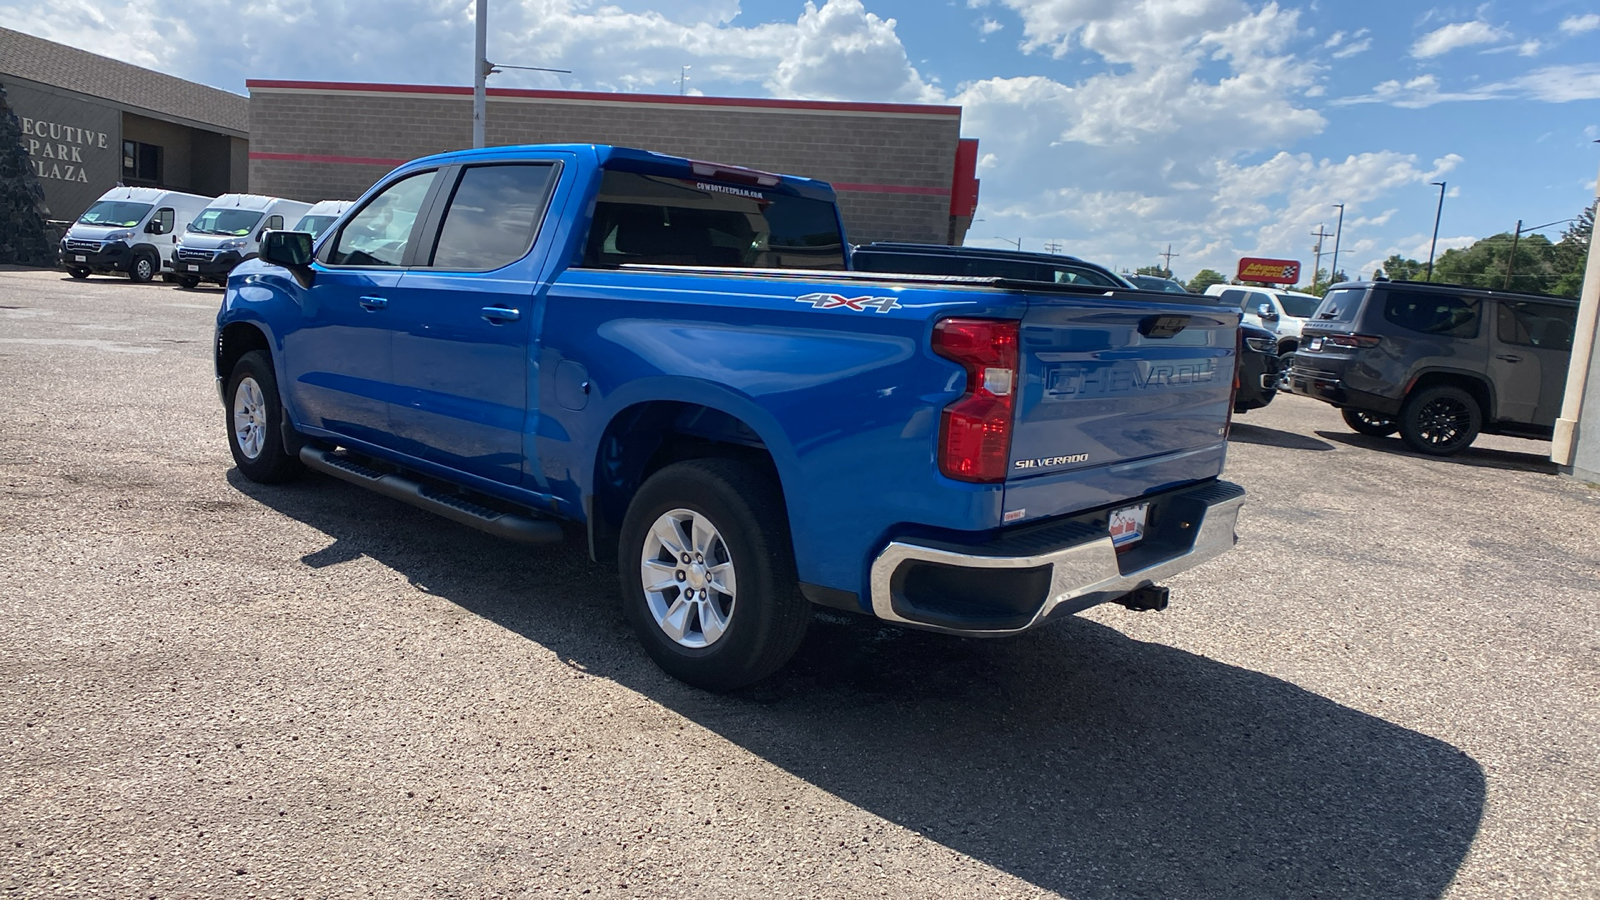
point(902, 171)
point(88, 123)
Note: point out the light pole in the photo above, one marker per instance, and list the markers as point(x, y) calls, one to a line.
point(1333, 268)
point(482, 69)
point(1516, 236)
point(1015, 241)
point(1436, 214)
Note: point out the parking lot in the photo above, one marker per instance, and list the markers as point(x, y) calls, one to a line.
point(211, 688)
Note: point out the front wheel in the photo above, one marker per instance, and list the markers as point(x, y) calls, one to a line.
point(78, 273)
point(708, 576)
point(188, 282)
point(143, 268)
point(1369, 423)
point(255, 422)
point(1440, 421)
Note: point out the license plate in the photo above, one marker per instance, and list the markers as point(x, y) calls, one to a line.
point(1316, 343)
point(192, 268)
point(80, 259)
point(1127, 524)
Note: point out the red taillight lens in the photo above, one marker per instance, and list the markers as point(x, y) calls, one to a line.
point(975, 432)
point(1350, 341)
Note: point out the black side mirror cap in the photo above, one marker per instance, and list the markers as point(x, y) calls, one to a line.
point(290, 249)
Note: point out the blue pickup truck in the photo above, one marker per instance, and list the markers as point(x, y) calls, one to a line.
point(672, 358)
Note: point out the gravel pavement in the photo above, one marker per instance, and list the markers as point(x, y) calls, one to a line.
point(211, 688)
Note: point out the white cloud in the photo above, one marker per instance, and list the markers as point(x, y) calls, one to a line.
point(1550, 84)
point(1529, 48)
point(1352, 49)
point(1580, 24)
point(989, 26)
point(1454, 37)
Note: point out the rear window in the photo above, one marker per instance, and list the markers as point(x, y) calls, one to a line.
point(1428, 312)
point(664, 220)
point(1341, 305)
point(1532, 324)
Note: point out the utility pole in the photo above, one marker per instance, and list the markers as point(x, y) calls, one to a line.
point(1053, 247)
point(1017, 242)
point(480, 71)
point(1168, 257)
point(1316, 268)
point(1436, 214)
point(1338, 230)
point(683, 80)
point(1512, 259)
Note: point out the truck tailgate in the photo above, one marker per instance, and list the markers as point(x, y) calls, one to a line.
point(1121, 395)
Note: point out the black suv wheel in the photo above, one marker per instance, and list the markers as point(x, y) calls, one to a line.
point(1440, 420)
point(1369, 423)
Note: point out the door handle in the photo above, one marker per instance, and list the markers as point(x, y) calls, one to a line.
point(372, 304)
point(499, 315)
point(1509, 358)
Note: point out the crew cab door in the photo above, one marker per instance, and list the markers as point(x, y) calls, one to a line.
point(464, 317)
point(337, 357)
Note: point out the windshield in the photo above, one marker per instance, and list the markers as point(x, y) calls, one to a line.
point(1297, 306)
point(115, 214)
point(236, 222)
point(315, 224)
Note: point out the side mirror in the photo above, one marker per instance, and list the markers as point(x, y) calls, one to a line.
point(261, 234)
point(1265, 312)
point(153, 227)
point(290, 249)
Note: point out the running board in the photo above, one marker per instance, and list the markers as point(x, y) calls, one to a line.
point(522, 529)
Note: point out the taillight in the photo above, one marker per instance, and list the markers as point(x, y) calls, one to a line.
point(975, 432)
point(1351, 341)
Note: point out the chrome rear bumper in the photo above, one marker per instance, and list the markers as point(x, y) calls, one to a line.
point(1083, 567)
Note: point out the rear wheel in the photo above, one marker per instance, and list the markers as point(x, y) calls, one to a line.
point(1440, 421)
point(255, 422)
point(1369, 423)
point(143, 268)
point(708, 577)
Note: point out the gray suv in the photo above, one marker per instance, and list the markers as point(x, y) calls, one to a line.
point(1438, 363)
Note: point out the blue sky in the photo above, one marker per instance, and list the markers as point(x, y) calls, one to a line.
point(1225, 127)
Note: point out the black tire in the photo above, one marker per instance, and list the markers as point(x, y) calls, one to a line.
point(188, 282)
point(764, 617)
point(1369, 423)
point(78, 273)
point(143, 268)
point(261, 416)
point(1440, 420)
point(168, 278)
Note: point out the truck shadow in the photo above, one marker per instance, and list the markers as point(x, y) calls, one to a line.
point(1480, 457)
point(1074, 758)
point(1246, 433)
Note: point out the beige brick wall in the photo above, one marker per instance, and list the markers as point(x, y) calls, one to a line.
point(875, 149)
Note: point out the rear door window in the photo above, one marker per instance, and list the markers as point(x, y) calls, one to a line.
point(1237, 298)
point(493, 216)
point(1430, 312)
point(1525, 323)
point(665, 220)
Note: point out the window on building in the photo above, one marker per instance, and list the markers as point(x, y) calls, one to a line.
point(1432, 313)
point(493, 216)
point(141, 162)
point(663, 220)
point(1531, 324)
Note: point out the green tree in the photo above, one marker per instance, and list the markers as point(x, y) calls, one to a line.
point(1572, 255)
point(1205, 279)
point(23, 238)
point(1157, 271)
point(1398, 268)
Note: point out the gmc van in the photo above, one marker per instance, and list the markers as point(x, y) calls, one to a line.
point(130, 230)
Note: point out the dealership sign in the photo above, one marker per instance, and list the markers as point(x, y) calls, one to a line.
point(1272, 271)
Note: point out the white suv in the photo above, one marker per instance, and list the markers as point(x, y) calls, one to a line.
point(1282, 312)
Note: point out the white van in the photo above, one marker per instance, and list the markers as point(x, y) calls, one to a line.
point(229, 232)
point(1275, 309)
point(129, 229)
point(322, 214)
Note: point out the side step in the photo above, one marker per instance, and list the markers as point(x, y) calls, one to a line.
point(522, 529)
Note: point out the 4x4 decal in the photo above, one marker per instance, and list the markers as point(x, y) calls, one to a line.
point(859, 304)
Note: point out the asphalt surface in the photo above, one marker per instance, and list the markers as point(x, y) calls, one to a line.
point(210, 688)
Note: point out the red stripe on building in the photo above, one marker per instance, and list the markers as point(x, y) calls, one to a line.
point(336, 160)
point(599, 97)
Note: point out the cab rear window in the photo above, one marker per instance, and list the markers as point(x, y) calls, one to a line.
point(665, 220)
point(1340, 305)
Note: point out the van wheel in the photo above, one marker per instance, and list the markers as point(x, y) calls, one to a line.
point(1440, 421)
point(708, 577)
point(168, 278)
point(188, 282)
point(1369, 423)
point(255, 422)
point(143, 268)
point(79, 274)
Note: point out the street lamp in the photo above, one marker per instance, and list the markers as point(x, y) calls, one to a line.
point(1333, 269)
point(1016, 241)
point(482, 69)
point(1436, 214)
